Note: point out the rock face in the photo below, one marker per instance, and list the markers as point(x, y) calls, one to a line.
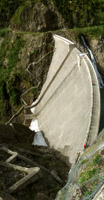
point(98, 50)
point(38, 17)
point(25, 62)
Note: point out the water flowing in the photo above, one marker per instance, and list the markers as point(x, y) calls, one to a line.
point(101, 84)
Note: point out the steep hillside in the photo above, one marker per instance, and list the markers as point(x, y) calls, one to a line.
point(24, 62)
point(77, 13)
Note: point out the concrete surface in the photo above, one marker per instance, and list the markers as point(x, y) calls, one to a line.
point(100, 194)
point(69, 110)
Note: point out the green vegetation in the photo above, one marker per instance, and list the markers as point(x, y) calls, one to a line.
point(9, 75)
point(91, 175)
point(97, 160)
point(14, 51)
point(82, 13)
point(3, 48)
point(89, 32)
point(84, 161)
point(8, 8)
point(87, 174)
point(77, 13)
point(4, 32)
point(87, 193)
point(62, 195)
point(16, 17)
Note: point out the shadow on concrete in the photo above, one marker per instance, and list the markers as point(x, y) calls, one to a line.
point(101, 126)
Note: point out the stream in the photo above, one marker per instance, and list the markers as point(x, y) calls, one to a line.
point(101, 84)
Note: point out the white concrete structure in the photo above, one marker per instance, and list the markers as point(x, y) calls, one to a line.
point(69, 104)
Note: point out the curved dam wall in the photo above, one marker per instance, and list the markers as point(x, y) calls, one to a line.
point(69, 110)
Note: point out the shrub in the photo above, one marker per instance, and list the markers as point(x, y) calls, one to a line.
point(14, 51)
point(97, 159)
point(87, 174)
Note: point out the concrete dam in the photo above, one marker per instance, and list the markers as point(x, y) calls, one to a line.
point(68, 107)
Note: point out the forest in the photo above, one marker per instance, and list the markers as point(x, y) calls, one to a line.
point(77, 13)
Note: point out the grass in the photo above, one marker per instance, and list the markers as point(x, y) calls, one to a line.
point(62, 195)
point(88, 174)
point(97, 160)
point(4, 32)
point(8, 72)
point(11, 54)
point(90, 32)
point(91, 175)
point(3, 47)
point(84, 161)
point(13, 59)
point(16, 17)
point(14, 51)
point(87, 193)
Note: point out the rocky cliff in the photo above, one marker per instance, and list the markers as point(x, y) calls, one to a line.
point(25, 58)
point(37, 17)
